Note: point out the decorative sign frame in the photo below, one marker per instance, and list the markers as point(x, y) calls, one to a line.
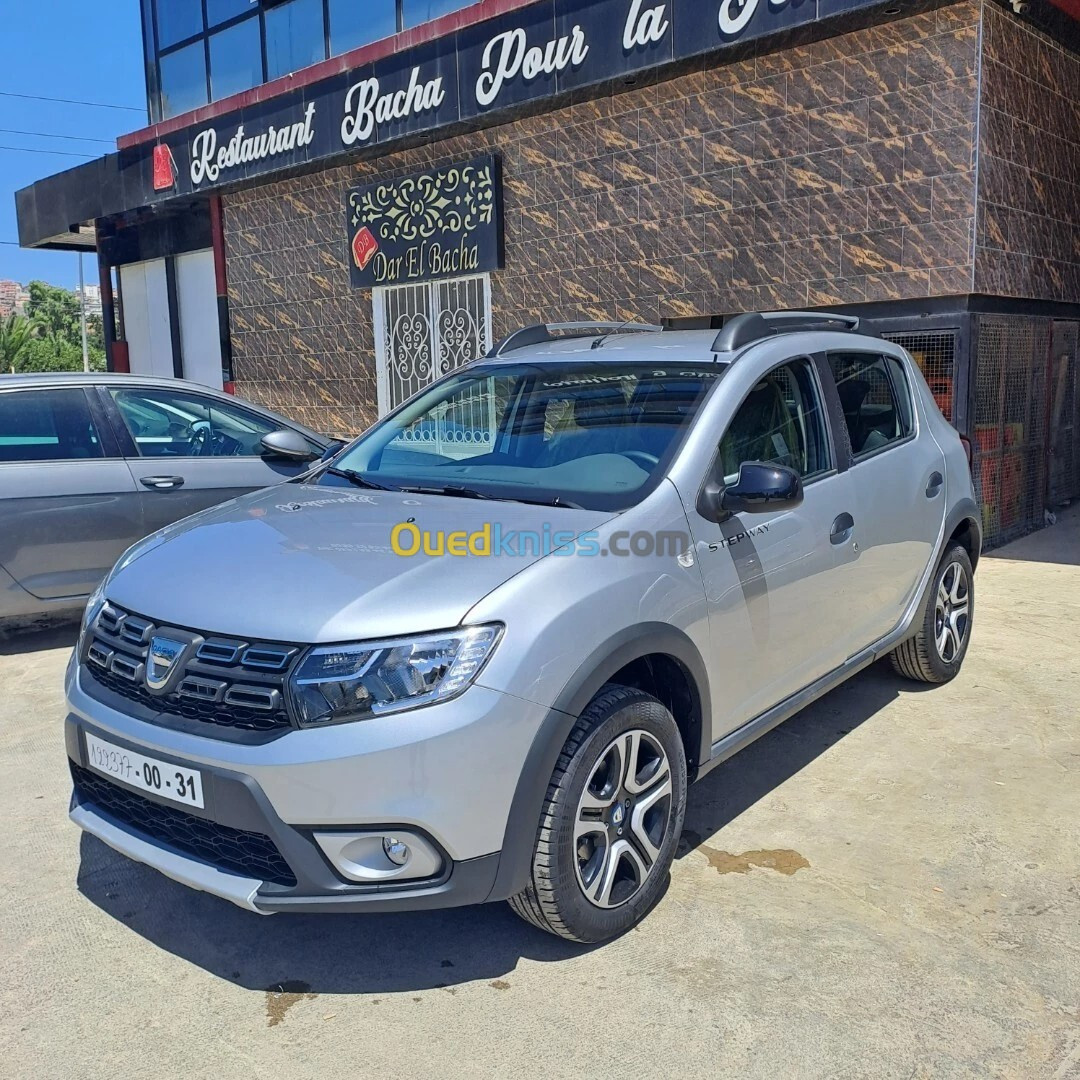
point(437, 224)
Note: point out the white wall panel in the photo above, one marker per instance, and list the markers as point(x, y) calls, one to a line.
point(200, 340)
point(146, 318)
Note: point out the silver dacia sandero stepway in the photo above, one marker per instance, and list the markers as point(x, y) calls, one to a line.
point(480, 653)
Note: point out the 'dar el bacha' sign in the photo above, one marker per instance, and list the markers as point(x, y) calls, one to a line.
point(432, 225)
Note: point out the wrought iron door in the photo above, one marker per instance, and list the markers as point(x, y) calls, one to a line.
point(422, 332)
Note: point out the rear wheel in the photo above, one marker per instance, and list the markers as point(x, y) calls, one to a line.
point(936, 652)
point(611, 820)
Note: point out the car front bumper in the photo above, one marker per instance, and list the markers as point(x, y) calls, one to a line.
point(446, 773)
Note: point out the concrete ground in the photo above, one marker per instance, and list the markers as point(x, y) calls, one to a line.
point(886, 886)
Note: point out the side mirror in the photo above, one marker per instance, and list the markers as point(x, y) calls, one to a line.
point(289, 444)
point(335, 447)
point(759, 489)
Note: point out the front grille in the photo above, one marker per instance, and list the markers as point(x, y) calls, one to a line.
point(227, 682)
point(250, 854)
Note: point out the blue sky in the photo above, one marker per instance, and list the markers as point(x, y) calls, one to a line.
point(89, 51)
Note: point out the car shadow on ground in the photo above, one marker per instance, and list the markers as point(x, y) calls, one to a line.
point(413, 951)
point(38, 635)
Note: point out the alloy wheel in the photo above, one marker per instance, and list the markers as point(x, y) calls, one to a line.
point(622, 819)
point(952, 612)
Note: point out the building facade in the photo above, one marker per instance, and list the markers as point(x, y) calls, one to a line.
point(303, 239)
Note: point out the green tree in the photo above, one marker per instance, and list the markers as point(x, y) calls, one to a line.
point(52, 353)
point(17, 334)
point(56, 309)
point(59, 347)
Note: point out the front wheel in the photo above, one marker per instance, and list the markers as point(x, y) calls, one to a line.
point(937, 650)
point(611, 820)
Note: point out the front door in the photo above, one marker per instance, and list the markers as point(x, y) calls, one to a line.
point(899, 475)
point(192, 450)
point(776, 582)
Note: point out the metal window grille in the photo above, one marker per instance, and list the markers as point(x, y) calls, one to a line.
point(935, 354)
point(422, 332)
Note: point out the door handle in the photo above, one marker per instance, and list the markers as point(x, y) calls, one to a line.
point(162, 483)
point(934, 484)
point(842, 529)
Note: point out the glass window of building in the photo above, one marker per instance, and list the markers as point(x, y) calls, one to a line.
point(177, 20)
point(420, 11)
point(295, 37)
point(235, 59)
point(219, 11)
point(183, 80)
point(353, 23)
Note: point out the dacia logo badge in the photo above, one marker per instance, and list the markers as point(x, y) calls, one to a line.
point(161, 660)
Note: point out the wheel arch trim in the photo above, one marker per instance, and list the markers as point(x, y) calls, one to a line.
point(630, 644)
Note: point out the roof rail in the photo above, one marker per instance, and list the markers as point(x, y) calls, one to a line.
point(753, 326)
point(541, 332)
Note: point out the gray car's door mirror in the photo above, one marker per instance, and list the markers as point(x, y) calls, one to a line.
point(289, 444)
point(759, 488)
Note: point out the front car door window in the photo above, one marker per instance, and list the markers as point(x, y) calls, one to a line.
point(169, 424)
point(781, 421)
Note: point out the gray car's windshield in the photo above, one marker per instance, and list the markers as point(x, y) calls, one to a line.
point(593, 435)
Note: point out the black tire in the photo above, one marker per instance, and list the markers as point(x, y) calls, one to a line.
point(555, 898)
point(920, 657)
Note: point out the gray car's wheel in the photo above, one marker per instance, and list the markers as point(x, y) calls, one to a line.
point(935, 653)
point(611, 820)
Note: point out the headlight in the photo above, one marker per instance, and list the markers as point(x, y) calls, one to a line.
point(338, 683)
point(93, 608)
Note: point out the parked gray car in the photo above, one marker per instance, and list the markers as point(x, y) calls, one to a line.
point(91, 463)
point(481, 653)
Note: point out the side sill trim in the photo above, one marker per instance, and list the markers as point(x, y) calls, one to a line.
point(742, 737)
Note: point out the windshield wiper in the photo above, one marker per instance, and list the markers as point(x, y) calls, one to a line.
point(359, 479)
point(555, 500)
point(455, 490)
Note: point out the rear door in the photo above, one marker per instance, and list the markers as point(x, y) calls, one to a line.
point(187, 450)
point(68, 504)
point(899, 474)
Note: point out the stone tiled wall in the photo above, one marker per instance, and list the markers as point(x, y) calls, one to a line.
point(1028, 240)
point(842, 171)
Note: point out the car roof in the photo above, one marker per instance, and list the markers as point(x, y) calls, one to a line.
point(90, 378)
point(683, 346)
point(44, 379)
point(671, 345)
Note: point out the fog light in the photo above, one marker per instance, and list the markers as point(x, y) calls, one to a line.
point(376, 856)
point(396, 851)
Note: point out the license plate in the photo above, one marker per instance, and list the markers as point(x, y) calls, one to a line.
point(172, 782)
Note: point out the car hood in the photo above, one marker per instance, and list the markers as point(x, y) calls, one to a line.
point(315, 564)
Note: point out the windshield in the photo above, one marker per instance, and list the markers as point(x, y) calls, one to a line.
point(592, 435)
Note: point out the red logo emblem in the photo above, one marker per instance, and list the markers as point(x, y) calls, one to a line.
point(364, 246)
point(164, 175)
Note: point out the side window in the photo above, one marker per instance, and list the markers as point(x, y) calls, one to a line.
point(167, 423)
point(875, 397)
point(47, 425)
point(782, 421)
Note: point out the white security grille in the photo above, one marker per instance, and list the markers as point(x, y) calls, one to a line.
point(424, 331)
